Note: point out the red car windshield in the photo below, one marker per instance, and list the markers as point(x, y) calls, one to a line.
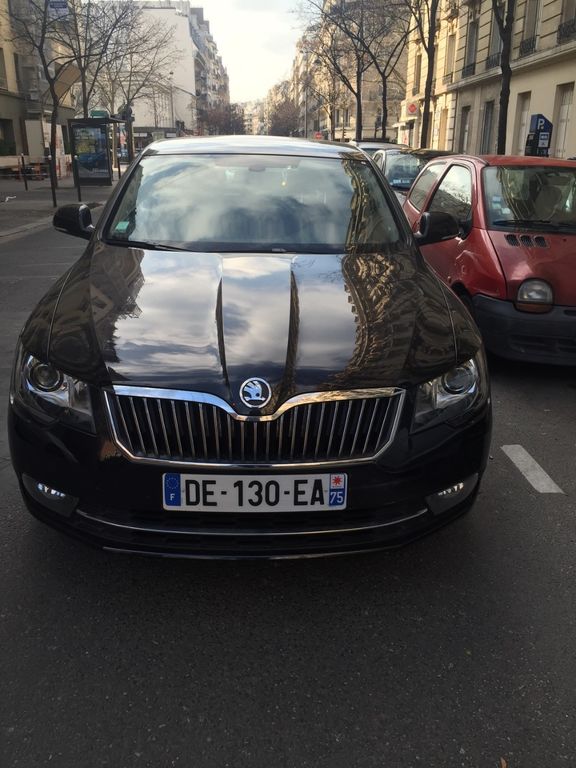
point(530, 195)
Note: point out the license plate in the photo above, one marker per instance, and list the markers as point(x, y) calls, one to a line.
point(254, 493)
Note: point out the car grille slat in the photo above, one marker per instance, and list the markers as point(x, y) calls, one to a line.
point(198, 432)
point(163, 426)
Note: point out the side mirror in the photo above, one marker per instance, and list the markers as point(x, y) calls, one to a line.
point(75, 219)
point(436, 226)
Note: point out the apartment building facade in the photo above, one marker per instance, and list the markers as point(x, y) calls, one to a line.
point(25, 107)
point(197, 82)
point(467, 78)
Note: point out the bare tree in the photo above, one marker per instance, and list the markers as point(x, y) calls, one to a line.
point(284, 119)
point(37, 31)
point(504, 15)
point(389, 28)
point(352, 36)
point(425, 19)
point(333, 34)
point(137, 63)
point(89, 31)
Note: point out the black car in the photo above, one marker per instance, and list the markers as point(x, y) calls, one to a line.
point(250, 359)
point(401, 165)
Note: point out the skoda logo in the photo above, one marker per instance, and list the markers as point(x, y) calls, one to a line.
point(255, 393)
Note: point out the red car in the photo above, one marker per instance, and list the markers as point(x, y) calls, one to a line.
point(514, 261)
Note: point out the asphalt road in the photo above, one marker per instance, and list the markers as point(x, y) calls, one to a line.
point(458, 650)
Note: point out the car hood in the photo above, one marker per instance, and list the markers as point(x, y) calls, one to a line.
point(545, 255)
point(207, 322)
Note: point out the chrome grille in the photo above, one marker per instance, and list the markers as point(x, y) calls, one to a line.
point(187, 428)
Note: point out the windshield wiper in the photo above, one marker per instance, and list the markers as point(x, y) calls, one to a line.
point(149, 245)
point(528, 222)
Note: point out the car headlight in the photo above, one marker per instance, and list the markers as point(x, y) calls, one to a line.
point(50, 394)
point(535, 296)
point(462, 389)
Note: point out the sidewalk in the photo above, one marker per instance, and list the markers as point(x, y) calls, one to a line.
point(21, 210)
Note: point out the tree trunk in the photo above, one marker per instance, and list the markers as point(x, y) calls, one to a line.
point(431, 57)
point(505, 56)
point(384, 106)
point(358, 135)
point(53, 127)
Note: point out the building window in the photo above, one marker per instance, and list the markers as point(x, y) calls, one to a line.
point(486, 144)
point(563, 117)
point(471, 47)
point(464, 130)
point(3, 80)
point(495, 49)
point(449, 60)
point(531, 18)
point(569, 10)
point(417, 74)
point(522, 122)
point(442, 129)
point(567, 28)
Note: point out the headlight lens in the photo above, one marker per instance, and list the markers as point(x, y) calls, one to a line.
point(50, 394)
point(463, 388)
point(534, 296)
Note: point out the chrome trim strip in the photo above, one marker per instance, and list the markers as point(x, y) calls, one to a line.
point(235, 533)
point(399, 405)
point(206, 399)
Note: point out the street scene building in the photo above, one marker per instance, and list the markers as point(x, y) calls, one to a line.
point(24, 110)
point(197, 80)
point(467, 78)
point(169, 89)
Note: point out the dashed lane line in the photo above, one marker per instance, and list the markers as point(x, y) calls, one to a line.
point(531, 470)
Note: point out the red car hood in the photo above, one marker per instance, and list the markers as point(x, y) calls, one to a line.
point(549, 256)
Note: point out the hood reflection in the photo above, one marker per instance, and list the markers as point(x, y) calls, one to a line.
point(207, 322)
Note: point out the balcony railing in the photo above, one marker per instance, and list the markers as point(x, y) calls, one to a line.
point(492, 61)
point(567, 30)
point(528, 46)
point(469, 69)
point(447, 79)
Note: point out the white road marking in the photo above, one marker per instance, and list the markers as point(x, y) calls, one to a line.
point(531, 470)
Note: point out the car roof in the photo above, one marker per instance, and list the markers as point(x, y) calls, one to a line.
point(380, 144)
point(264, 145)
point(519, 160)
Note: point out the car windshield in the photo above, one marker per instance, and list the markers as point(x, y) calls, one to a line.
point(402, 169)
point(262, 203)
point(531, 194)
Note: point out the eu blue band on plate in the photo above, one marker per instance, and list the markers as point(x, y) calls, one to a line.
point(172, 493)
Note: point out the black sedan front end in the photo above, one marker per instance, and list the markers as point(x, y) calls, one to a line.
point(252, 398)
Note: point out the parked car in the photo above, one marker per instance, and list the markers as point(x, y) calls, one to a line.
point(373, 146)
point(513, 263)
point(251, 359)
point(401, 165)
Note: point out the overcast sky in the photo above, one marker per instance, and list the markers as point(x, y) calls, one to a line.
point(257, 42)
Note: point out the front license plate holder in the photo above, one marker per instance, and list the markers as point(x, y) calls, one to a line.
point(254, 493)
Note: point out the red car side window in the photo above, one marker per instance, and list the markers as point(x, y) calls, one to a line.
point(424, 184)
point(454, 194)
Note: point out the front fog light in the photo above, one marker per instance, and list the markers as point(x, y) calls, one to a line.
point(53, 499)
point(449, 497)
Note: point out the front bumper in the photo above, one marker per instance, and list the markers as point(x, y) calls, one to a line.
point(537, 338)
point(116, 503)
